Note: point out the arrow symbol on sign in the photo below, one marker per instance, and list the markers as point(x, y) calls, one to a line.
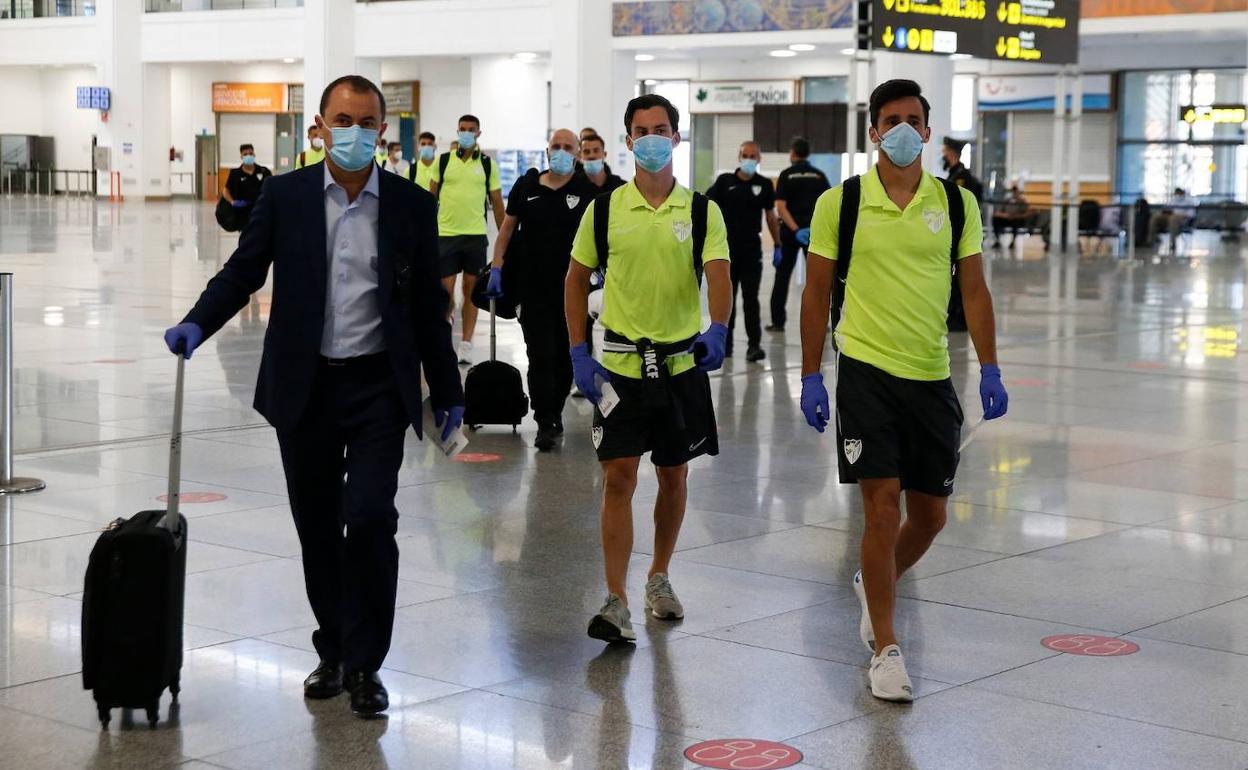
point(888, 37)
point(888, 5)
point(1000, 46)
point(1001, 12)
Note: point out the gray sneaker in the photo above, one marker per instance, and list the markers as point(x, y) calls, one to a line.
point(613, 623)
point(661, 599)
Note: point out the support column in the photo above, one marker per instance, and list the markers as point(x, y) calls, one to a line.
point(590, 82)
point(157, 131)
point(1072, 155)
point(121, 69)
point(329, 49)
point(1057, 237)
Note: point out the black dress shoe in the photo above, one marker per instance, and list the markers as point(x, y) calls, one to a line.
point(545, 440)
point(755, 354)
point(324, 682)
point(775, 327)
point(368, 694)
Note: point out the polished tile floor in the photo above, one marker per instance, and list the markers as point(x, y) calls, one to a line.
point(1108, 502)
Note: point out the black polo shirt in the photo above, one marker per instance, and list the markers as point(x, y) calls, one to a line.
point(548, 220)
point(743, 204)
point(244, 186)
point(609, 184)
point(962, 177)
point(800, 187)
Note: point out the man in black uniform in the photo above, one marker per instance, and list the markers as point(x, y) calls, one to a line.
point(951, 159)
point(743, 195)
point(543, 212)
point(242, 186)
point(593, 164)
point(799, 188)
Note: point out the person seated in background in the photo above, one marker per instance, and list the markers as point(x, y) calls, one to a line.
point(242, 187)
point(1176, 215)
point(1012, 216)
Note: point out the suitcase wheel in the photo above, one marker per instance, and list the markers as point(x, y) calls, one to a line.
point(153, 715)
point(106, 716)
point(474, 428)
point(174, 689)
point(513, 429)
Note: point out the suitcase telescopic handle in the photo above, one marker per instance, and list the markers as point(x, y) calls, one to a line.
point(170, 521)
point(493, 334)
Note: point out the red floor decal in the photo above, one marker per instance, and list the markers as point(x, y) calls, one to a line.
point(195, 497)
point(476, 457)
point(1089, 644)
point(1028, 382)
point(743, 754)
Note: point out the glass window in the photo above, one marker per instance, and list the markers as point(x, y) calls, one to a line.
point(830, 90)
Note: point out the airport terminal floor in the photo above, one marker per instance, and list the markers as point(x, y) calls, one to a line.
point(1108, 503)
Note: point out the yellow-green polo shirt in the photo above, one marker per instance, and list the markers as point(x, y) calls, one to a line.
point(652, 292)
point(309, 157)
point(897, 291)
point(461, 196)
point(424, 173)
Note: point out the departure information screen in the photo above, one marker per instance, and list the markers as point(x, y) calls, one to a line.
point(1042, 31)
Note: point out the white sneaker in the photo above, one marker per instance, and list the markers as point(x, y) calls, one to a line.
point(889, 680)
point(465, 351)
point(864, 623)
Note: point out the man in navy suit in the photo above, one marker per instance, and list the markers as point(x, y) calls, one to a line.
point(358, 307)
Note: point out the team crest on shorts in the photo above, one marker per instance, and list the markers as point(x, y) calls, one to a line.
point(595, 436)
point(935, 219)
point(682, 230)
point(853, 449)
point(573, 200)
point(758, 189)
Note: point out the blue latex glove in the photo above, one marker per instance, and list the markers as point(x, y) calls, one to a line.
point(585, 371)
point(708, 349)
point(184, 338)
point(777, 256)
point(494, 289)
point(240, 204)
point(448, 420)
point(803, 236)
point(992, 393)
point(815, 404)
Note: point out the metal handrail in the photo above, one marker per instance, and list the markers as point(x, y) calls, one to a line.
point(34, 179)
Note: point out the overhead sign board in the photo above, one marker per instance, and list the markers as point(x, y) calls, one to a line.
point(1041, 31)
point(1019, 93)
point(94, 98)
point(739, 96)
point(1217, 114)
point(249, 97)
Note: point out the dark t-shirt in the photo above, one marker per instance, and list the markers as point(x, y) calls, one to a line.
point(244, 186)
point(610, 184)
point(547, 225)
point(743, 204)
point(962, 177)
point(800, 187)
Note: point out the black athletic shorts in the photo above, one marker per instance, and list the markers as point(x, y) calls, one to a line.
point(462, 254)
point(887, 428)
point(634, 428)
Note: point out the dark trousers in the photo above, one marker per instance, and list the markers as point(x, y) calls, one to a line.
point(342, 464)
point(747, 274)
point(789, 247)
point(545, 330)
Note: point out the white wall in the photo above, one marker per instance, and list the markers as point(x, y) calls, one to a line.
point(43, 101)
point(25, 42)
point(214, 36)
point(510, 98)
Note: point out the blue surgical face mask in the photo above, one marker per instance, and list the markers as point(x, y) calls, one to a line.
point(467, 140)
point(749, 166)
point(426, 152)
point(594, 167)
point(562, 162)
point(652, 152)
point(353, 147)
point(249, 160)
point(902, 144)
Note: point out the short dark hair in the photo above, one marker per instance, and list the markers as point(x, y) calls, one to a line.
point(357, 83)
point(891, 91)
point(592, 131)
point(392, 145)
point(311, 128)
point(800, 147)
point(427, 135)
point(595, 138)
point(650, 101)
point(470, 119)
point(245, 148)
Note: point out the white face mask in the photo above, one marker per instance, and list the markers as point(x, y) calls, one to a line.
point(318, 143)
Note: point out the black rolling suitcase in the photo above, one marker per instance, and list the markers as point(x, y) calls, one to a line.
point(494, 390)
point(133, 601)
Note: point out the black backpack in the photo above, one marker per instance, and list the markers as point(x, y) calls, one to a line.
point(443, 161)
point(602, 220)
point(851, 197)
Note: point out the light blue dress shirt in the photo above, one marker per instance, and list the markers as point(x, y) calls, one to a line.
point(352, 313)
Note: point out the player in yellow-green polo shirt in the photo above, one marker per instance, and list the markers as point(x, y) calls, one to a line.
point(422, 168)
point(462, 240)
point(656, 357)
point(898, 418)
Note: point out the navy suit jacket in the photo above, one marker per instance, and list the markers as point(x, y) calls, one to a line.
point(287, 231)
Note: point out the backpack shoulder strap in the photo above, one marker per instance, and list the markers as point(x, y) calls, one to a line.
point(602, 220)
point(851, 196)
point(700, 205)
point(303, 154)
point(443, 161)
point(485, 166)
point(957, 217)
